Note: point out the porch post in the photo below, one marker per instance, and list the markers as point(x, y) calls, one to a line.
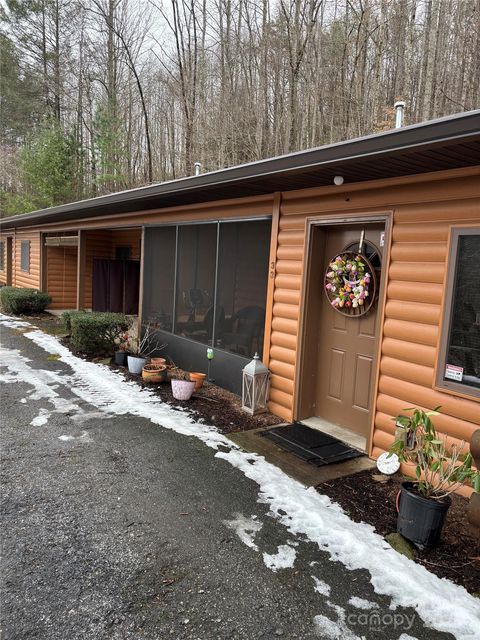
point(272, 263)
point(43, 264)
point(81, 262)
point(140, 286)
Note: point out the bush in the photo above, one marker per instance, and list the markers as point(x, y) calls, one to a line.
point(95, 333)
point(67, 318)
point(25, 301)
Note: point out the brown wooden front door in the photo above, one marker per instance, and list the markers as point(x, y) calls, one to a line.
point(346, 345)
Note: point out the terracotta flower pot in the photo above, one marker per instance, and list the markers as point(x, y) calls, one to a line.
point(136, 364)
point(154, 373)
point(158, 361)
point(198, 378)
point(183, 389)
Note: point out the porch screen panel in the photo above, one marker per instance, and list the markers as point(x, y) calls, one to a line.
point(462, 361)
point(242, 286)
point(159, 277)
point(196, 261)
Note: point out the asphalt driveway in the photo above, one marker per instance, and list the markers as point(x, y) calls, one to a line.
point(114, 527)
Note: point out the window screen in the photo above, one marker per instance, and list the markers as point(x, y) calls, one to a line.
point(159, 277)
point(25, 255)
point(242, 286)
point(460, 368)
point(208, 282)
point(2, 256)
point(196, 259)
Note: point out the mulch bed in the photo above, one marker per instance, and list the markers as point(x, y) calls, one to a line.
point(457, 557)
point(213, 405)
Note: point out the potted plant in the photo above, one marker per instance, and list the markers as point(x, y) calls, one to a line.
point(154, 373)
point(182, 386)
point(121, 353)
point(140, 348)
point(440, 469)
point(198, 378)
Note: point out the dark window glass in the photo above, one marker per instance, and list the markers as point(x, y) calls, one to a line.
point(2, 256)
point(159, 277)
point(196, 257)
point(462, 362)
point(123, 253)
point(25, 255)
point(242, 286)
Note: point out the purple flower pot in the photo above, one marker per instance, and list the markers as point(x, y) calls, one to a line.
point(182, 389)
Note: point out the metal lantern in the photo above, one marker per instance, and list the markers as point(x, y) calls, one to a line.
point(255, 386)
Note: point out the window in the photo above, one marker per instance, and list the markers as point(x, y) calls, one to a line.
point(208, 282)
point(2, 256)
point(459, 363)
point(25, 255)
point(123, 253)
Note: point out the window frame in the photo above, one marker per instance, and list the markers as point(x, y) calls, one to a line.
point(450, 386)
point(25, 243)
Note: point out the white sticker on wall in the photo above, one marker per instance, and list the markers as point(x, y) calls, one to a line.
point(453, 373)
point(382, 238)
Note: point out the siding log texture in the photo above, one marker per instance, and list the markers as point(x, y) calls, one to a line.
point(30, 279)
point(62, 276)
point(3, 272)
point(423, 210)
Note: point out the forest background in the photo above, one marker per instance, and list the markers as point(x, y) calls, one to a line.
point(103, 95)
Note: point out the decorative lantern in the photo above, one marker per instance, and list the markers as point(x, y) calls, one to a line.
point(255, 386)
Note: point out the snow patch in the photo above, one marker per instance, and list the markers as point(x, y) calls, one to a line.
point(41, 419)
point(405, 636)
point(302, 510)
point(12, 323)
point(85, 437)
point(321, 587)
point(360, 603)
point(283, 559)
point(245, 528)
point(330, 630)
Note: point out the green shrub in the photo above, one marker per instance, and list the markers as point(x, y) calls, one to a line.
point(95, 333)
point(16, 301)
point(67, 318)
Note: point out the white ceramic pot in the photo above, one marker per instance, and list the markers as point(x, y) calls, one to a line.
point(135, 364)
point(183, 389)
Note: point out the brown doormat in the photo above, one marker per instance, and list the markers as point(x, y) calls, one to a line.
point(313, 446)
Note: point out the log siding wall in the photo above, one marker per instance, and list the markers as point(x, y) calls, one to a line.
point(422, 209)
point(30, 278)
point(422, 213)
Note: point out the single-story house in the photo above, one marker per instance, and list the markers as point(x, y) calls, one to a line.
point(236, 260)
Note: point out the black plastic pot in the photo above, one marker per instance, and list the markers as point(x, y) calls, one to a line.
point(420, 519)
point(121, 358)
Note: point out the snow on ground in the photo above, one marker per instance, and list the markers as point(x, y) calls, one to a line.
point(441, 604)
point(360, 603)
point(321, 587)
point(283, 559)
point(245, 528)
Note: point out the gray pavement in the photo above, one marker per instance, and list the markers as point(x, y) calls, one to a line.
point(120, 533)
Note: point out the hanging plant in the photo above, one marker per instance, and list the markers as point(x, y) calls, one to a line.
point(350, 283)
